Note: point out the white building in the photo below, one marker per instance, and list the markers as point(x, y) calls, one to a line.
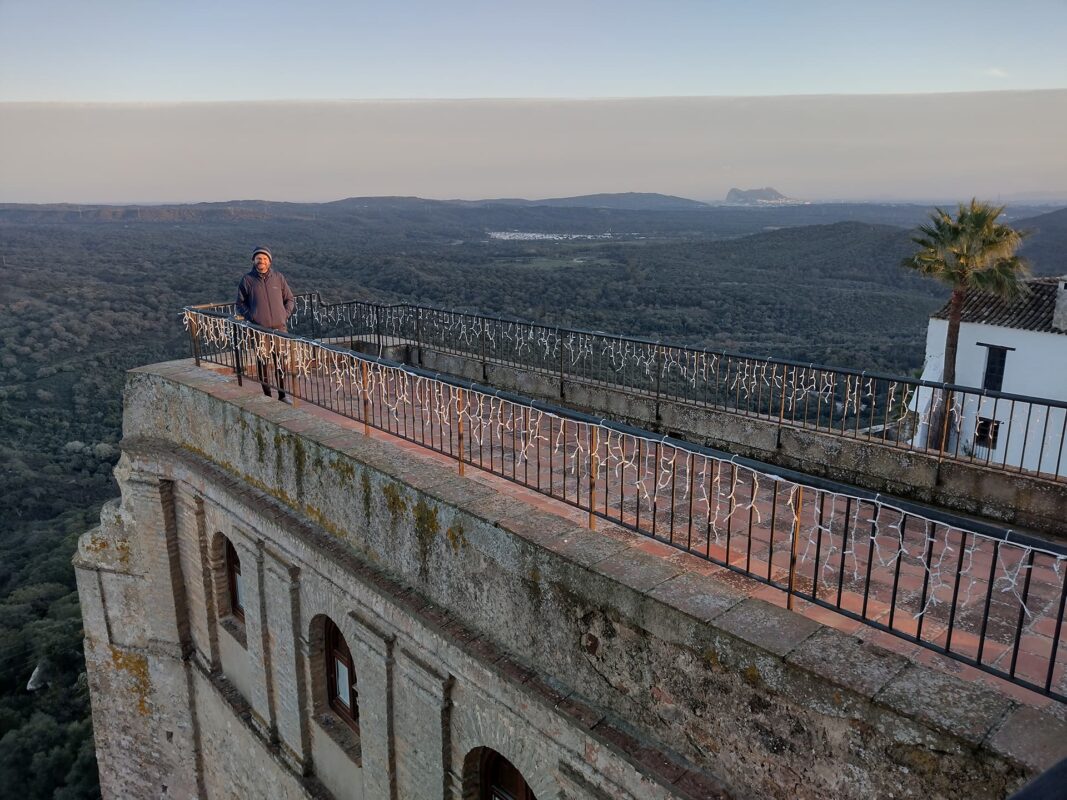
point(1007, 349)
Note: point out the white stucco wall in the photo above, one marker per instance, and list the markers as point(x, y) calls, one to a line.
point(1037, 366)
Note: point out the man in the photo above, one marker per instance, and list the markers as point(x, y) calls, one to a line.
point(264, 297)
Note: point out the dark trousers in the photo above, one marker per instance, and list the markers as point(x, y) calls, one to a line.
point(261, 371)
point(279, 374)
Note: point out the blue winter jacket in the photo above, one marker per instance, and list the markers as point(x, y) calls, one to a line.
point(265, 299)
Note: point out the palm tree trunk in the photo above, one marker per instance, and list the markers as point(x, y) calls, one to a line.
point(942, 421)
point(952, 338)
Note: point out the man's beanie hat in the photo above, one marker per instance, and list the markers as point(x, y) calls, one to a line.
point(264, 251)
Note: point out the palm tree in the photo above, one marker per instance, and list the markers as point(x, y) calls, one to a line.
point(971, 252)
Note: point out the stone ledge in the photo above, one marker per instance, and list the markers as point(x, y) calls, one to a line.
point(1032, 738)
point(945, 702)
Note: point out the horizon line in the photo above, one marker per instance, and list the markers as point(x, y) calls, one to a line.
point(519, 99)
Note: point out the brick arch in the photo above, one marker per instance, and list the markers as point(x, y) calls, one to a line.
point(539, 781)
point(317, 660)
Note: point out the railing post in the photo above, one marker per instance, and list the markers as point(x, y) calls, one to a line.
point(418, 332)
point(290, 371)
point(485, 367)
point(793, 548)
point(559, 338)
point(781, 400)
point(193, 338)
point(946, 413)
point(594, 444)
point(366, 399)
point(378, 328)
point(238, 366)
point(659, 359)
point(459, 426)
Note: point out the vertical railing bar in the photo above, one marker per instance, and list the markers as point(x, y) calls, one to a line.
point(1007, 439)
point(1026, 437)
point(730, 508)
point(1063, 441)
point(563, 474)
point(655, 490)
point(593, 445)
point(988, 599)
point(770, 536)
point(818, 547)
point(1056, 634)
point(366, 398)
point(955, 588)
point(459, 426)
point(793, 547)
point(711, 490)
point(751, 507)
point(1022, 612)
point(870, 558)
point(551, 456)
point(1044, 437)
point(844, 549)
point(641, 478)
point(689, 525)
point(992, 427)
point(674, 484)
point(896, 569)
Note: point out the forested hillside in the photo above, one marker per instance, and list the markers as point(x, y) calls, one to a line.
point(85, 295)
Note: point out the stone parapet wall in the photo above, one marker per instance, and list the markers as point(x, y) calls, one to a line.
point(598, 662)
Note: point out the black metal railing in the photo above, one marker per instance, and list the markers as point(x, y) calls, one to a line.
point(1008, 432)
point(987, 597)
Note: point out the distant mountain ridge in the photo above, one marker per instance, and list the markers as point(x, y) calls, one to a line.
point(634, 214)
point(625, 201)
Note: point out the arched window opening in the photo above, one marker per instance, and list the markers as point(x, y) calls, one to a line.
point(234, 582)
point(340, 676)
point(500, 780)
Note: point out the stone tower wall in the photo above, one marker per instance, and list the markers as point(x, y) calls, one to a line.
point(599, 665)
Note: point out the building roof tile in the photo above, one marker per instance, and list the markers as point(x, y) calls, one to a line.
point(1032, 312)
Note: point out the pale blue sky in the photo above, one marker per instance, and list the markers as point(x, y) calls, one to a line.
point(191, 50)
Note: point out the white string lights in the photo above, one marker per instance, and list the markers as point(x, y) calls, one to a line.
point(713, 506)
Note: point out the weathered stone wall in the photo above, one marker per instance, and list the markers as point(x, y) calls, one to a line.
point(1017, 499)
point(599, 669)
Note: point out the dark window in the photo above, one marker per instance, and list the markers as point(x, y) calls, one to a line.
point(994, 368)
point(340, 676)
point(235, 582)
point(985, 433)
point(501, 781)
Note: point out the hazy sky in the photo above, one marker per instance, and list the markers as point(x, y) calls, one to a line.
point(146, 101)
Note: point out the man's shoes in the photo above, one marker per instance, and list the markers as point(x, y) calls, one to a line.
point(266, 389)
point(284, 399)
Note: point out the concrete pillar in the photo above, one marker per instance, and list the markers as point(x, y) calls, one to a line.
point(422, 717)
point(372, 659)
point(281, 599)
